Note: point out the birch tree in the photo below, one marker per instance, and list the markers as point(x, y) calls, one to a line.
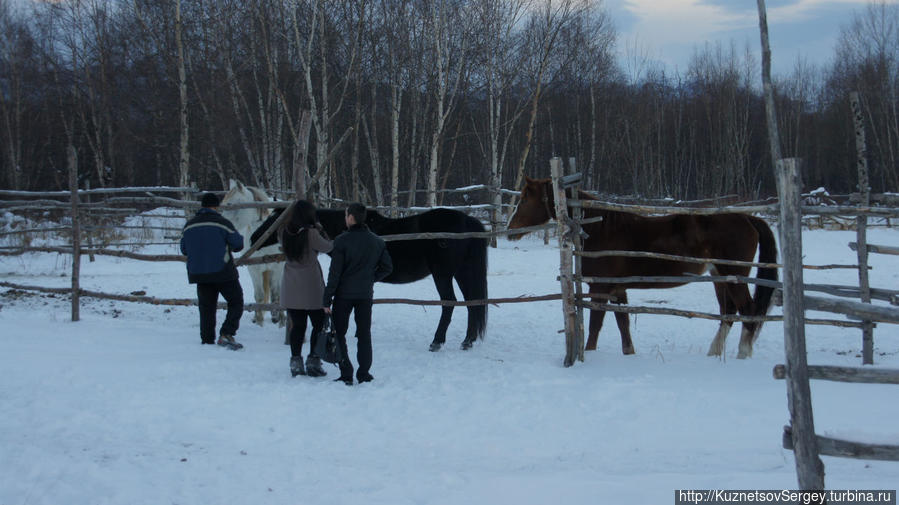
point(319, 48)
point(449, 39)
point(15, 41)
point(499, 52)
point(544, 26)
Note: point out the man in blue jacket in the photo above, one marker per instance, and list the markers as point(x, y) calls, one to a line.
point(208, 240)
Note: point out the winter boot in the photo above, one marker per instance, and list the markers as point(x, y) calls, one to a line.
point(314, 366)
point(229, 342)
point(296, 366)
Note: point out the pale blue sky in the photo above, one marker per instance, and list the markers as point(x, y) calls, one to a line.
point(669, 30)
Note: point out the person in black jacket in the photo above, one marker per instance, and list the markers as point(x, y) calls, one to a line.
point(359, 260)
point(208, 240)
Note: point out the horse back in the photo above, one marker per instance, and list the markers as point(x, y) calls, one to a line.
point(416, 259)
point(719, 236)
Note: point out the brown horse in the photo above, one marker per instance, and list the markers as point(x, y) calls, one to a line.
point(719, 236)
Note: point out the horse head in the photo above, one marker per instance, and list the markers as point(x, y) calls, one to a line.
point(535, 206)
point(245, 219)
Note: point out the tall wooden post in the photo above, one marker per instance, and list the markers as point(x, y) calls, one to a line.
point(572, 347)
point(578, 243)
point(809, 468)
point(861, 225)
point(87, 221)
point(767, 87)
point(76, 233)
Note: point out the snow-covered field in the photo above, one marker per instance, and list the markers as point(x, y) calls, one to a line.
point(126, 406)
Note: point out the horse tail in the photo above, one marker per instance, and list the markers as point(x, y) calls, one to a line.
point(472, 278)
point(767, 254)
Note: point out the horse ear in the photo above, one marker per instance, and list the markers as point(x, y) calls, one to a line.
point(528, 180)
point(232, 184)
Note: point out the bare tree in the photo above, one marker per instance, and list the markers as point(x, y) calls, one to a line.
point(184, 151)
point(868, 55)
point(15, 43)
point(499, 52)
point(320, 48)
point(448, 28)
point(542, 35)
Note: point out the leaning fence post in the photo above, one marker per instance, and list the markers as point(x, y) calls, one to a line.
point(809, 468)
point(861, 226)
point(572, 347)
point(76, 232)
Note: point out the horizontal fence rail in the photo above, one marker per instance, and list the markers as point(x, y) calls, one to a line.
point(249, 307)
point(864, 375)
point(690, 259)
point(636, 309)
point(828, 446)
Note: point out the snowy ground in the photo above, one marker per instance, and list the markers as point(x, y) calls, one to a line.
point(126, 407)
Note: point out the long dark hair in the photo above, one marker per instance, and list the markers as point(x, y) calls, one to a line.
point(295, 238)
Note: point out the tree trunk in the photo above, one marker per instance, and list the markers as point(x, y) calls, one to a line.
point(184, 153)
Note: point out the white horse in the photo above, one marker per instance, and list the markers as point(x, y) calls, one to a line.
point(266, 276)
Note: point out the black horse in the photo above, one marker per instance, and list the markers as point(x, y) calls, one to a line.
point(463, 259)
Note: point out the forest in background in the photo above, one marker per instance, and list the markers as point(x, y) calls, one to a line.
point(419, 94)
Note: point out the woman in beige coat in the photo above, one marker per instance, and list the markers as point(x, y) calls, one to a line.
point(302, 283)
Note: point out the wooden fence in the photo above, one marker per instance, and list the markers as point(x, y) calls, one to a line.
point(799, 435)
point(569, 235)
point(80, 211)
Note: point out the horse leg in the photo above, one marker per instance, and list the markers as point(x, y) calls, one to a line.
point(444, 284)
point(596, 318)
point(746, 306)
point(471, 277)
point(275, 297)
point(266, 294)
point(258, 292)
point(622, 318)
point(725, 306)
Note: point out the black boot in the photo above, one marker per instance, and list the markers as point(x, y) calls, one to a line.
point(296, 366)
point(314, 366)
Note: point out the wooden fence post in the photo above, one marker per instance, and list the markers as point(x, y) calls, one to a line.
point(572, 348)
point(578, 244)
point(861, 225)
point(76, 232)
point(87, 221)
point(809, 468)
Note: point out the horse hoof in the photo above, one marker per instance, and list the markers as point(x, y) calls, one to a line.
point(435, 346)
point(466, 345)
point(628, 350)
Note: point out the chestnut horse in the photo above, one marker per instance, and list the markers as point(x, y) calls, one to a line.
point(719, 236)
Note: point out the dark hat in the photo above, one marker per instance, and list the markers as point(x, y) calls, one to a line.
point(210, 200)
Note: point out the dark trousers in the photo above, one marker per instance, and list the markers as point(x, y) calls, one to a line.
point(340, 314)
point(298, 329)
point(208, 298)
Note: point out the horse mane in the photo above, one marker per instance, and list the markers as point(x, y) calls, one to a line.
point(260, 196)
